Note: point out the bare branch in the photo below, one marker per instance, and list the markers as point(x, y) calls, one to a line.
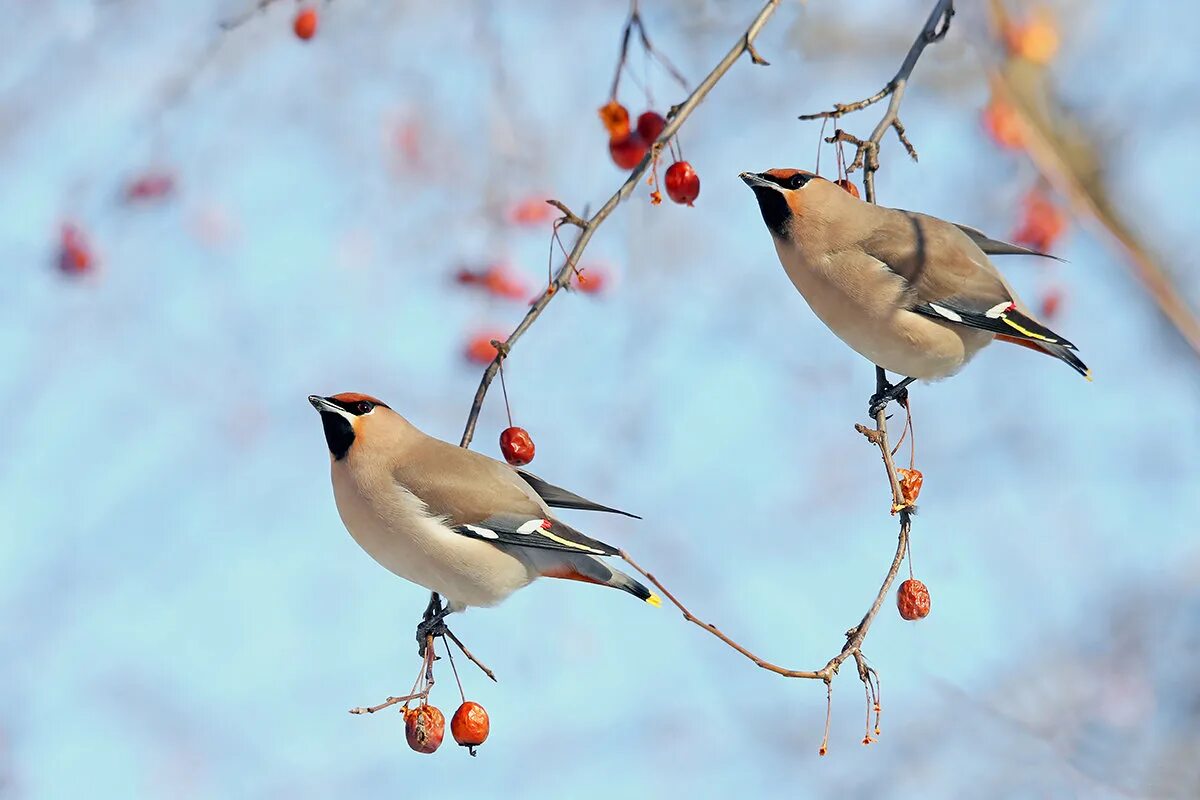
point(677, 116)
point(866, 157)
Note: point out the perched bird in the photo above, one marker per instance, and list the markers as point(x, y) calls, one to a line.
point(913, 293)
point(465, 526)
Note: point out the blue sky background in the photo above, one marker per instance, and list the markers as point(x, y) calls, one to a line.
point(182, 613)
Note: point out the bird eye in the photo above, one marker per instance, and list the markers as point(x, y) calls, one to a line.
point(797, 181)
point(363, 407)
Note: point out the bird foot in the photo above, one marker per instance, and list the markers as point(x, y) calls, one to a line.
point(432, 624)
point(886, 394)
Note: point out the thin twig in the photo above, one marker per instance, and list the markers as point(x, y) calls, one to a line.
point(470, 655)
point(867, 155)
point(675, 119)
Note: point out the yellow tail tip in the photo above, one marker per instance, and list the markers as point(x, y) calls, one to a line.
point(654, 600)
point(1089, 376)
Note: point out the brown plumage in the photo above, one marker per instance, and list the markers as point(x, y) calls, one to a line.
point(458, 523)
point(914, 294)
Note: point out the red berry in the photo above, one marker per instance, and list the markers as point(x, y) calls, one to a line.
point(470, 725)
point(628, 151)
point(683, 184)
point(480, 349)
point(305, 24)
point(1042, 224)
point(424, 727)
point(650, 125)
point(516, 446)
point(151, 186)
point(847, 185)
point(74, 255)
point(912, 598)
point(591, 280)
point(1051, 302)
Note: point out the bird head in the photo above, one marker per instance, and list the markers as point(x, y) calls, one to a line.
point(790, 198)
point(347, 416)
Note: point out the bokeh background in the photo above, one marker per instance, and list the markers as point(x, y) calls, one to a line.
point(182, 613)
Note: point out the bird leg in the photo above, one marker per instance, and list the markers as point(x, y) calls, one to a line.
point(886, 392)
point(432, 623)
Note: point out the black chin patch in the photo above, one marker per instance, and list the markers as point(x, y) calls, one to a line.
point(775, 210)
point(339, 433)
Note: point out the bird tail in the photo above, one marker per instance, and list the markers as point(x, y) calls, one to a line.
point(588, 569)
point(1059, 351)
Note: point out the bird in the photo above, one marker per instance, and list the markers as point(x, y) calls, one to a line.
point(465, 526)
point(914, 294)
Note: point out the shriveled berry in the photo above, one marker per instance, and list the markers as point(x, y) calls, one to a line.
point(628, 151)
point(910, 484)
point(912, 598)
point(424, 727)
point(649, 125)
point(846, 184)
point(682, 182)
point(517, 446)
point(615, 118)
point(470, 725)
point(305, 23)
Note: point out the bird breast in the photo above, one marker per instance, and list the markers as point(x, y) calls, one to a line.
point(394, 527)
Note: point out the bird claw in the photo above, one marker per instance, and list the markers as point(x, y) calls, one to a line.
point(432, 624)
point(885, 395)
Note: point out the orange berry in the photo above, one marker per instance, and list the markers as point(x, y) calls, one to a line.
point(470, 725)
point(846, 184)
point(305, 23)
point(615, 118)
point(910, 484)
point(1003, 124)
point(517, 446)
point(912, 598)
point(1035, 39)
point(424, 727)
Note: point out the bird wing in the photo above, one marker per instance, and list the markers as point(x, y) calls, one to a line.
point(950, 278)
point(535, 532)
point(557, 497)
point(995, 247)
point(485, 499)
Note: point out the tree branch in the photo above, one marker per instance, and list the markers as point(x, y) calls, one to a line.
point(675, 119)
point(867, 154)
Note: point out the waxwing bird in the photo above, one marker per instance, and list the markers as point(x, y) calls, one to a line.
point(465, 526)
point(913, 293)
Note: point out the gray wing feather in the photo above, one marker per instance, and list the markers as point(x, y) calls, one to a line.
point(995, 247)
point(558, 497)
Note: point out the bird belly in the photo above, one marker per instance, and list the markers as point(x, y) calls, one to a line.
point(394, 528)
point(869, 314)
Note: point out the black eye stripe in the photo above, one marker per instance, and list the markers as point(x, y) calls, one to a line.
point(355, 407)
point(796, 181)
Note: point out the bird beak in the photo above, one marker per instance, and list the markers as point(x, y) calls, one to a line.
point(756, 181)
point(322, 404)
